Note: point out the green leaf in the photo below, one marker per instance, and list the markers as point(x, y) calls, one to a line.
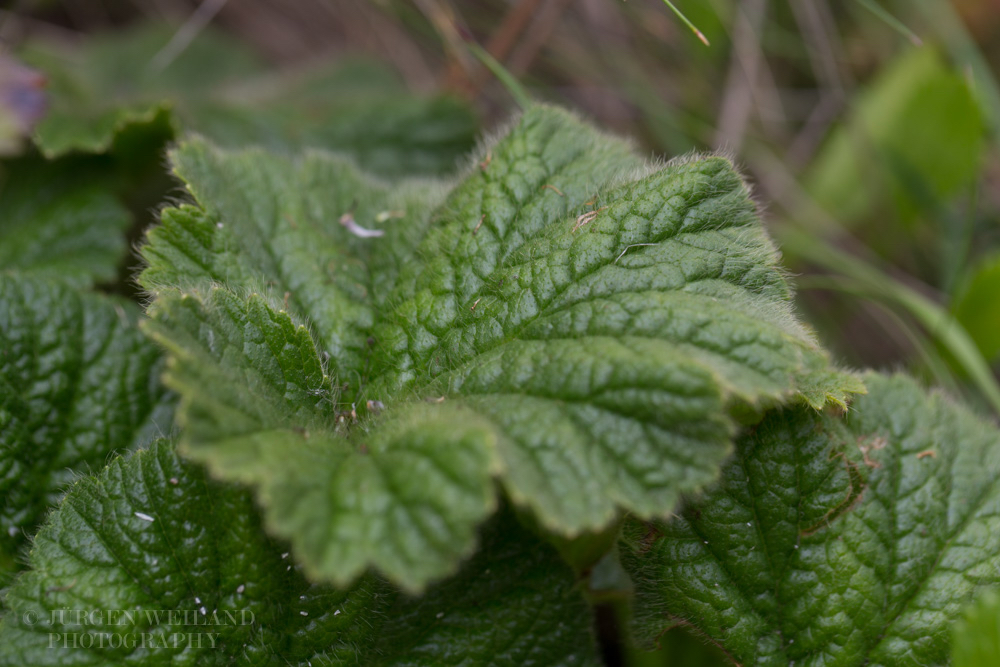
point(392, 134)
point(78, 381)
point(270, 223)
point(584, 327)
point(58, 221)
point(977, 308)
point(152, 536)
point(216, 86)
point(976, 636)
point(832, 541)
point(917, 135)
point(111, 82)
point(514, 603)
point(404, 494)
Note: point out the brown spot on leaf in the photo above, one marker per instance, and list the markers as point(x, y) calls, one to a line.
point(653, 533)
point(873, 445)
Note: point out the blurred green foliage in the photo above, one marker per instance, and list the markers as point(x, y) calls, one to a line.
point(126, 80)
point(977, 306)
point(912, 142)
point(976, 638)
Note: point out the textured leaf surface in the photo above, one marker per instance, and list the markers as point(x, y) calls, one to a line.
point(152, 536)
point(78, 381)
point(218, 87)
point(589, 325)
point(271, 224)
point(830, 541)
point(404, 494)
point(514, 603)
point(59, 223)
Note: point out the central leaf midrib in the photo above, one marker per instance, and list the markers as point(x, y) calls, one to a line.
point(974, 507)
point(545, 311)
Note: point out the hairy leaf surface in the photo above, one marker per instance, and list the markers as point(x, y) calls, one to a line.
point(831, 541)
point(177, 567)
point(78, 381)
point(404, 494)
point(591, 327)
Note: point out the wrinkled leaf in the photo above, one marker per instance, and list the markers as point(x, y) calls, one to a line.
point(150, 554)
point(78, 382)
point(152, 537)
point(586, 328)
point(514, 603)
point(832, 541)
point(59, 221)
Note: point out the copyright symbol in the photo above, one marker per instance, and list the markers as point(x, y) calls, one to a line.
point(30, 617)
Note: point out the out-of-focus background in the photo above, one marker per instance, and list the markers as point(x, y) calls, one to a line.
point(868, 128)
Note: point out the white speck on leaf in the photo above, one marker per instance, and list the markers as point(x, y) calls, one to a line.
point(347, 220)
point(634, 245)
point(240, 588)
point(145, 517)
point(336, 612)
point(304, 613)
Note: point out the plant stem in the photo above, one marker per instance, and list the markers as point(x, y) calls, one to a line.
point(890, 20)
point(508, 80)
point(686, 21)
